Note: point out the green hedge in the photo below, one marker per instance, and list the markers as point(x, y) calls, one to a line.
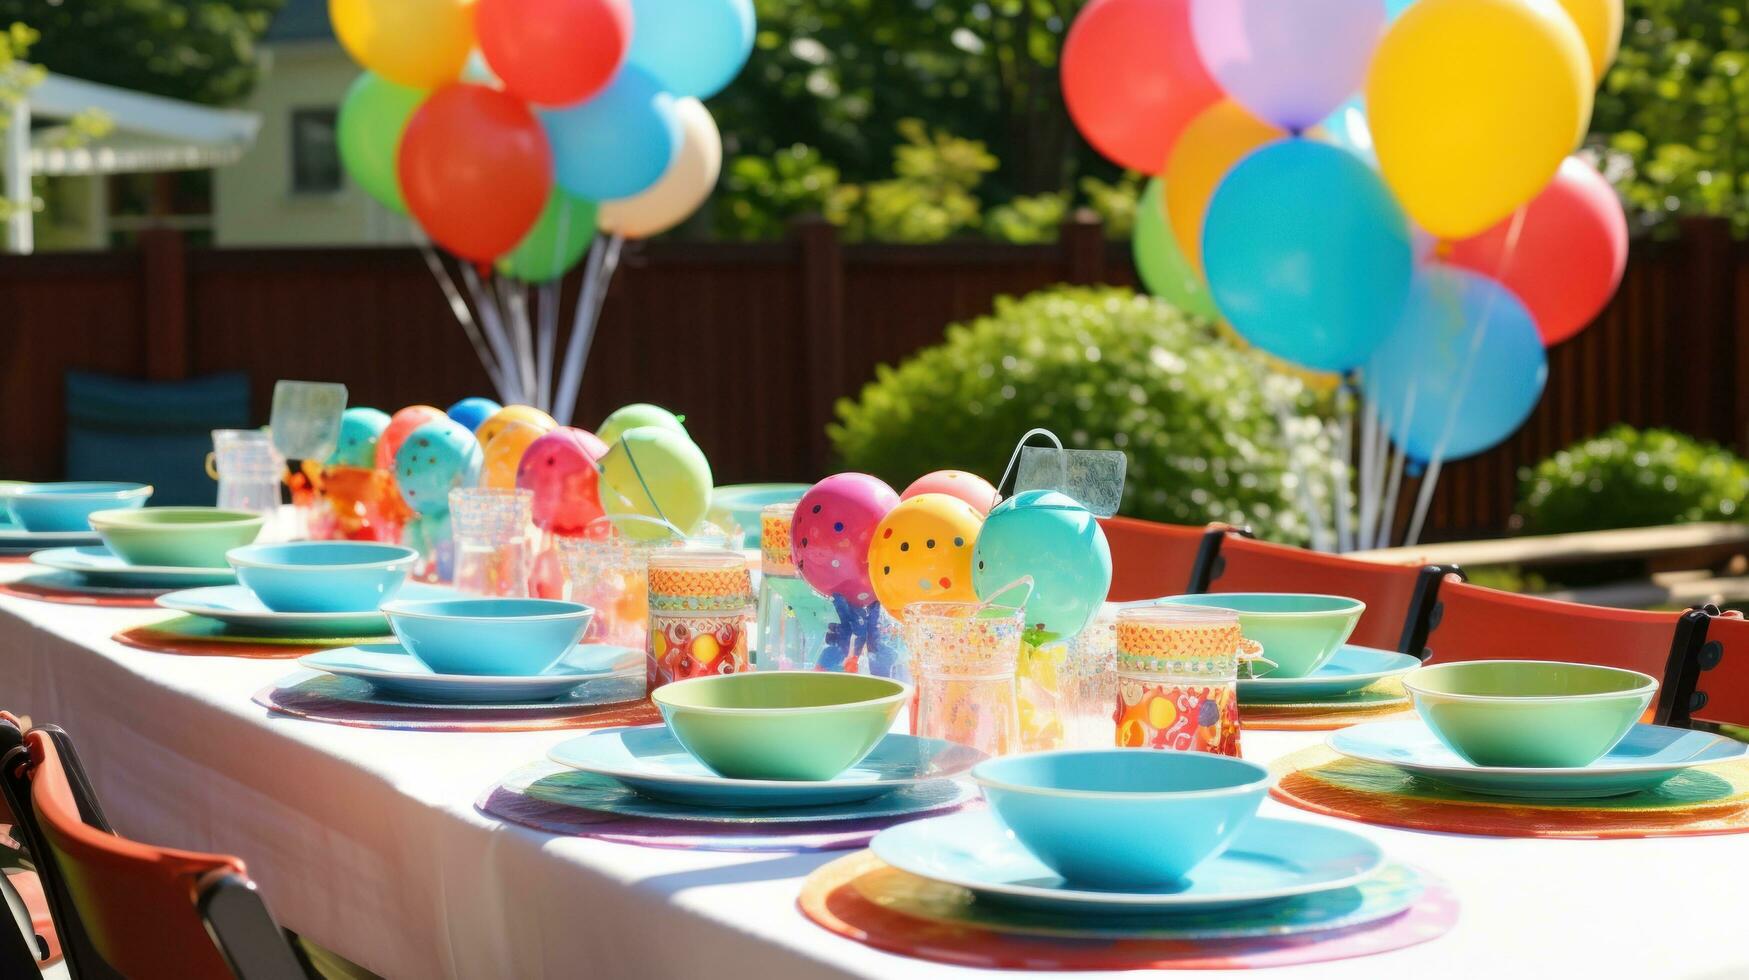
point(1630, 478)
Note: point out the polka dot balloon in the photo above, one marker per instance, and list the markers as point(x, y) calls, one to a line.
point(559, 468)
point(829, 538)
point(969, 487)
point(359, 430)
point(436, 458)
point(922, 552)
point(400, 426)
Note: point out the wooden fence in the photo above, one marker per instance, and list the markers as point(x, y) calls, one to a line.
point(755, 342)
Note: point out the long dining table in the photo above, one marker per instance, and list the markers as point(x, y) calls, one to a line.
point(368, 842)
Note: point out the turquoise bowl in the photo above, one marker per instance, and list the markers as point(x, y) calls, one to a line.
point(739, 505)
point(1123, 819)
point(69, 506)
point(1529, 713)
point(322, 576)
point(180, 537)
point(1299, 632)
point(488, 637)
point(781, 724)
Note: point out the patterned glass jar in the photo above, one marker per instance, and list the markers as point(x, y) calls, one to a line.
point(792, 617)
point(1178, 678)
point(701, 610)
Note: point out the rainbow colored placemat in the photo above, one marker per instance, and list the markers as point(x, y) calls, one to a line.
point(539, 795)
point(198, 636)
point(1381, 702)
point(53, 587)
point(1705, 800)
point(861, 898)
point(338, 701)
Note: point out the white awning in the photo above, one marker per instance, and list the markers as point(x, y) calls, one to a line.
point(151, 133)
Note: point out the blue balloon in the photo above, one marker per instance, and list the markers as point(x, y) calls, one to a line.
point(618, 143)
point(1346, 126)
point(1395, 8)
point(693, 47)
point(472, 411)
point(1417, 378)
point(357, 445)
point(1047, 535)
point(1307, 254)
point(437, 457)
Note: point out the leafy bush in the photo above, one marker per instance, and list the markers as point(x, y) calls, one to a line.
point(1104, 369)
point(1629, 478)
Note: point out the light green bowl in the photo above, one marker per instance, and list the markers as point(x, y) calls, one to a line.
point(185, 537)
point(1299, 632)
point(780, 724)
point(1529, 713)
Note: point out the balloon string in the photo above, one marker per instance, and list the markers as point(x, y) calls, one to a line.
point(1023, 582)
point(459, 308)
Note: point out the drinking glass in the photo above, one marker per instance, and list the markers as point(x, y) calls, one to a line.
point(963, 656)
point(1178, 678)
point(491, 527)
point(247, 468)
point(701, 609)
point(305, 423)
point(792, 616)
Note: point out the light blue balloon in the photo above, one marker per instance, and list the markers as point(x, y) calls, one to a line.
point(1047, 535)
point(1307, 254)
point(618, 143)
point(472, 411)
point(1346, 126)
point(1395, 8)
point(1418, 375)
point(693, 47)
point(357, 445)
point(437, 457)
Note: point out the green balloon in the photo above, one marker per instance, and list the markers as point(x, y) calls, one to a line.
point(1160, 264)
point(655, 472)
point(556, 241)
point(372, 119)
point(637, 415)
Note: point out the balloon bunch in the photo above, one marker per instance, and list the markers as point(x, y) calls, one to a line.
point(946, 538)
point(1381, 189)
point(512, 131)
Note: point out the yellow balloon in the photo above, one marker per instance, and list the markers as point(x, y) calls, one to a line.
point(1214, 141)
point(504, 453)
point(526, 414)
point(418, 43)
point(922, 552)
point(1473, 106)
point(1599, 23)
point(686, 185)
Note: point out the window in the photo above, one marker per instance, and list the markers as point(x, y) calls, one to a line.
point(315, 153)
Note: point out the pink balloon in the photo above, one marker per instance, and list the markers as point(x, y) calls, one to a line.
point(1566, 256)
point(969, 487)
point(1291, 62)
point(834, 522)
point(559, 468)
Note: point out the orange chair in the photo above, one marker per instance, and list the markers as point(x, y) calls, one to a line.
point(1470, 622)
point(147, 912)
point(1150, 560)
point(1716, 679)
point(1398, 597)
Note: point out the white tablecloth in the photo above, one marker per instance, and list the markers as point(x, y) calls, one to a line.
point(368, 842)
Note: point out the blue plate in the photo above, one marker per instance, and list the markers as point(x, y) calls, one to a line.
point(98, 566)
point(1645, 757)
point(237, 606)
point(649, 760)
point(1270, 860)
point(593, 792)
point(1348, 670)
point(16, 538)
point(398, 674)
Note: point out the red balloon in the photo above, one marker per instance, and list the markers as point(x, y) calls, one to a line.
point(554, 52)
point(1571, 248)
point(1133, 80)
point(559, 469)
point(475, 169)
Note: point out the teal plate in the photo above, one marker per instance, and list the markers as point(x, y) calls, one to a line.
point(396, 673)
point(96, 565)
point(1269, 861)
point(15, 537)
point(235, 605)
point(600, 793)
point(650, 761)
point(1350, 669)
point(1645, 757)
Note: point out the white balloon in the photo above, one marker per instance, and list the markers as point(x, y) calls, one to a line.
point(687, 183)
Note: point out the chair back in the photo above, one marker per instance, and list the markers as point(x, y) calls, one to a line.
point(1397, 597)
point(1472, 622)
point(1150, 560)
point(1719, 675)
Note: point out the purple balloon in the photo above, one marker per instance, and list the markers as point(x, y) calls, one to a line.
point(1288, 61)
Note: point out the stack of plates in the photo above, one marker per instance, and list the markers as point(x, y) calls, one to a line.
point(1348, 672)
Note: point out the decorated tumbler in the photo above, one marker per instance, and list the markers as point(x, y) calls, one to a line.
point(963, 656)
point(701, 610)
point(1177, 678)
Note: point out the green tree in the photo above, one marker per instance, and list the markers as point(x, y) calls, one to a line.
point(1672, 115)
point(17, 77)
point(197, 50)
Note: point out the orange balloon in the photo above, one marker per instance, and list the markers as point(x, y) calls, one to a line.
point(1210, 146)
point(401, 425)
point(969, 487)
point(504, 453)
point(528, 414)
point(922, 552)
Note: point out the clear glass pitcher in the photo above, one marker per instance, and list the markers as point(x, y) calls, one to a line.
point(247, 468)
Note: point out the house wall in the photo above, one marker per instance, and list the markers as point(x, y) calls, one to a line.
point(253, 200)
